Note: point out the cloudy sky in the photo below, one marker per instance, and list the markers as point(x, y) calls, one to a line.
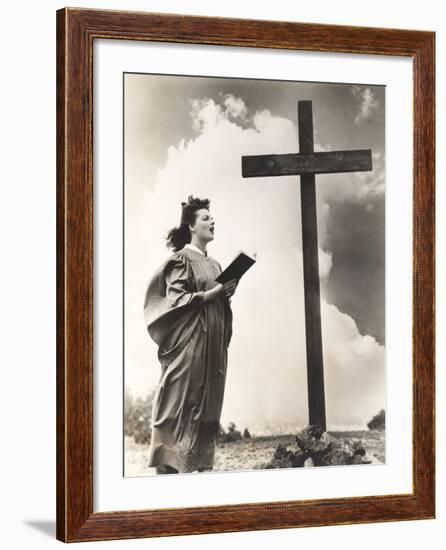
point(186, 135)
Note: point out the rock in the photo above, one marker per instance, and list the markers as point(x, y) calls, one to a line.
point(318, 448)
point(315, 442)
point(285, 458)
point(246, 434)
point(312, 432)
point(326, 450)
point(366, 459)
point(280, 452)
point(357, 459)
point(345, 452)
point(279, 464)
point(338, 453)
point(358, 448)
point(299, 458)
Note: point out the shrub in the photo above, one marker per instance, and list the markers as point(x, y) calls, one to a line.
point(137, 416)
point(378, 422)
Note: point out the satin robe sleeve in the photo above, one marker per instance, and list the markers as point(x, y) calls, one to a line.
point(178, 285)
point(172, 305)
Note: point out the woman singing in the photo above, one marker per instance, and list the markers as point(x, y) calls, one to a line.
point(188, 315)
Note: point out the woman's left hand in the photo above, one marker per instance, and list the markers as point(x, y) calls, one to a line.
point(229, 288)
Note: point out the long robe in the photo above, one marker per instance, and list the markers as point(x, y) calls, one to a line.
point(193, 338)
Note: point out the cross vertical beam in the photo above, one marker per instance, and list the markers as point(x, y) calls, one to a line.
point(313, 331)
point(307, 164)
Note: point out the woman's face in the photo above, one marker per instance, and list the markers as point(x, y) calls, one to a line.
point(204, 225)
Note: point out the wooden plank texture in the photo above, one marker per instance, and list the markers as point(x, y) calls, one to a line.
point(255, 166)
point(310, 250)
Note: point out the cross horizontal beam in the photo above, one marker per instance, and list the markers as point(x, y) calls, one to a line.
point(308, 163)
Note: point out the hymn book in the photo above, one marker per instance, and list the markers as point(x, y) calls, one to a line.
point(237, 268)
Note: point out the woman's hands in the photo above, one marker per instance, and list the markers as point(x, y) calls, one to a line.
point(226, 290)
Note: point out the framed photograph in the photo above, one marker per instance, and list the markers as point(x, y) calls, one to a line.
point(245, 299)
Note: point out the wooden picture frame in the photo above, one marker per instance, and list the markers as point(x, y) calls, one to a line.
point(76, 31)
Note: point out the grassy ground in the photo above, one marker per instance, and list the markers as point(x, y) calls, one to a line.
point(249, 454)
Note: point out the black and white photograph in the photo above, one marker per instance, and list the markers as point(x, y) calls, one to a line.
point(254, 274)
point(223, 234)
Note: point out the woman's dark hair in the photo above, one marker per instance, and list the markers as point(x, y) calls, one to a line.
point(178, 236)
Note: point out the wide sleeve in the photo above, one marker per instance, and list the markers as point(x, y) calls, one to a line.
point(179, 286)
point(171, 300)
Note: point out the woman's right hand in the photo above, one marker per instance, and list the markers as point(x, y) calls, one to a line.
point(229, 288)
point(225, 290)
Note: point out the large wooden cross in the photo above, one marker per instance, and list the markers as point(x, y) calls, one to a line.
point(307, 164)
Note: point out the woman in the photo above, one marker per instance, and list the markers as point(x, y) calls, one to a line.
point(188, 315)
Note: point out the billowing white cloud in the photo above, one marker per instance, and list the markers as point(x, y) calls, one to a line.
point(235, 107)
point(354, 370)
point(325, 263)
point(368, 105)
point(358, 187)
point(205, 114)
point(267, 379)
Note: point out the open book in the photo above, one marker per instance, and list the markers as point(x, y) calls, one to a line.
point(237, 268)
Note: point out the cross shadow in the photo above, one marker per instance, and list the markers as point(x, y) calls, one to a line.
point(48, 527)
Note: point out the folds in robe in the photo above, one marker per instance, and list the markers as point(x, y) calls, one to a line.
point(193, 338)
point(171, 311)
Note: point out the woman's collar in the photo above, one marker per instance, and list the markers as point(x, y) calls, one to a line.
point(195, 248)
